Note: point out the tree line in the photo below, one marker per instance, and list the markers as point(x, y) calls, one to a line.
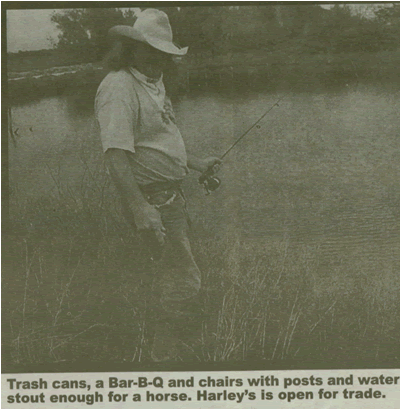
point(306, 28)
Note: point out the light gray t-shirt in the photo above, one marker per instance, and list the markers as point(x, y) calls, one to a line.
point(134, 114)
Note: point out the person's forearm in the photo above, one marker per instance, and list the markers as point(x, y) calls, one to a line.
point(123, 178)
point(194, 163)
point(145, 216)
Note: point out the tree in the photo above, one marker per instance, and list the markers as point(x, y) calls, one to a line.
point(389, 15)
point(194, 26)
point(84, 31)
point(354, 32)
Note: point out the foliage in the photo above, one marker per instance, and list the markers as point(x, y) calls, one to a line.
point(354, 33)
point(389, 15)
point(220, 30)
point(85, 30)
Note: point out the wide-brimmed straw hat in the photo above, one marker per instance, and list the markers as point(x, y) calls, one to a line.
point(151, 27)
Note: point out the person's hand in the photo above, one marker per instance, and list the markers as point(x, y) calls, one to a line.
point(212, 163)
point(148, 221)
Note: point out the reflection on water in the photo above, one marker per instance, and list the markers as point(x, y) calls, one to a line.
point(323, 169)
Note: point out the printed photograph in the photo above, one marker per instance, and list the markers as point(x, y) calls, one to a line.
point(201, 183)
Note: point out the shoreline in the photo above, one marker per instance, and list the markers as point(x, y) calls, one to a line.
point(231, 70)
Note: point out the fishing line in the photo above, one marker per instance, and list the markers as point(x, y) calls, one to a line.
point(253, 126)
point(211, 182)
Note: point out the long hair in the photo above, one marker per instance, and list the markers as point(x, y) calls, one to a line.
point(120, 54)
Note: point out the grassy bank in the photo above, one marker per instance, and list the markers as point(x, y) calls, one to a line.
point(251, 70)
point(76, 280)
point(25, 61)
point(77, 287)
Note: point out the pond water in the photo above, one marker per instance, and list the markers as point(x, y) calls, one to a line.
point(323, 170)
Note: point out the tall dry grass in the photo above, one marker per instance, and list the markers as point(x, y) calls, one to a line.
point(77, 284)
point(84, 293)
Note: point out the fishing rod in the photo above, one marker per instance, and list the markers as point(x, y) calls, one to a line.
point(211, 182)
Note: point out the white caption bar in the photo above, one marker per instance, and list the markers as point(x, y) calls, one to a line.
point(309, 389)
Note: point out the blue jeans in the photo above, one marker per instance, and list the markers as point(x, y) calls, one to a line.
point(178, 277)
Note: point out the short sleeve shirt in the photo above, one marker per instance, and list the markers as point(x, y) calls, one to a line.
point(130, 118)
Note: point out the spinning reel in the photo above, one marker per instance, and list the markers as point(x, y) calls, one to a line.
point(209, 181)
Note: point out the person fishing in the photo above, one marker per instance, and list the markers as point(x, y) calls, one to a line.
point(146, 157)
